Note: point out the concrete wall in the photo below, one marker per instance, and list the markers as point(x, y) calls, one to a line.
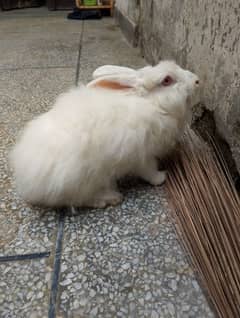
point(202, 35)
point(129, 8)
point(127, 13)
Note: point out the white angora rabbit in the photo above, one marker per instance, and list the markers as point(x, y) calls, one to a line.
point(118, 124)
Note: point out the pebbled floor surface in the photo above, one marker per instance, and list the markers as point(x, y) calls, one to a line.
point(116, 262)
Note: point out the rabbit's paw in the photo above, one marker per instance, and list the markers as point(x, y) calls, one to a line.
point(158, 178)
point(107, 198)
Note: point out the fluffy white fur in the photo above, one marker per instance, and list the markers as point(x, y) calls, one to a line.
point(75, 153)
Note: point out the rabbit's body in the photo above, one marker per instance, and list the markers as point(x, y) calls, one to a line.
point(74, 153)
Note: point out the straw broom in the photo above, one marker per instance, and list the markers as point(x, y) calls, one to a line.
point(206, 211)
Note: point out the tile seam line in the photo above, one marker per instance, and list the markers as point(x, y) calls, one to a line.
point(21, 257)
point(56, 267)
point(79, 55)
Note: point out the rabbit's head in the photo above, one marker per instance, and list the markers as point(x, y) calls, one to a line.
point(169, 85)
point(166, 84)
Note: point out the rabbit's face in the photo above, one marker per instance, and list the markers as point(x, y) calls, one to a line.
point(168, 84)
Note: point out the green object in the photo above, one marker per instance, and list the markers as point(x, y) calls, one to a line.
point(90, 2)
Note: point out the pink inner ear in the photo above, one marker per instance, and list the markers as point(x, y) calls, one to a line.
point(111, 85)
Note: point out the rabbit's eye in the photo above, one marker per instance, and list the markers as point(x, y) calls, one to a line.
point(167, 81)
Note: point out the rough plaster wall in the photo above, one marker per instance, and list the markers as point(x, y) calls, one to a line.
point(202, 35)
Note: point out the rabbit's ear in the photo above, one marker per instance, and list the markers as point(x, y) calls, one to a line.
point(120, 81)
point(107, 70)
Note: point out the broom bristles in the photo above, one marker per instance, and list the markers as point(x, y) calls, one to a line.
point(206, 211)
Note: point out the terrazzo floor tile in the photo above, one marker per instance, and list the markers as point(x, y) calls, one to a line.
point(127, 262)
point(39, 42)
point(105, 45)
point(24, 287)
point(25, 229)
point(37, 21)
